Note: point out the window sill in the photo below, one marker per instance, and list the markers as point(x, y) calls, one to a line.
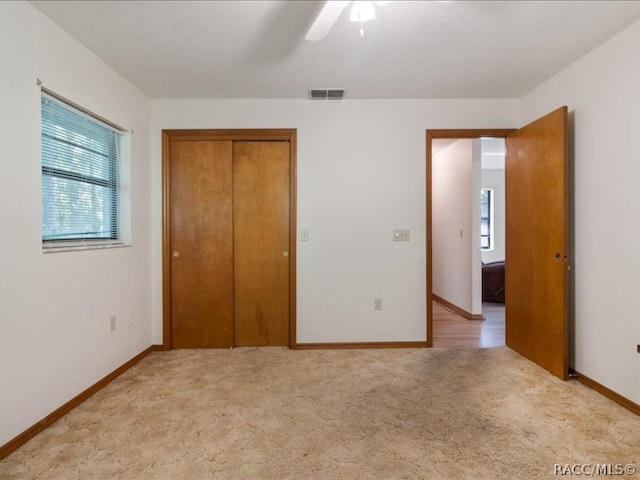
point(71, 247)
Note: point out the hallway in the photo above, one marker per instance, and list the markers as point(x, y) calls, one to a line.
point(453, 331)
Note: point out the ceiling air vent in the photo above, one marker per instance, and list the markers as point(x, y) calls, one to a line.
point(326, 94)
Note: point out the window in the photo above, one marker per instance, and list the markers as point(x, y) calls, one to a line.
point(81, 161)
point(486, 219)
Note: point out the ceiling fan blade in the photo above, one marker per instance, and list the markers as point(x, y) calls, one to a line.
point(325, 20)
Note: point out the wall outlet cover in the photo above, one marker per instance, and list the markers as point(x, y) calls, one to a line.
point(401, 235)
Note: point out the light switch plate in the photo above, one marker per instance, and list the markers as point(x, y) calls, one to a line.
point(401, 235)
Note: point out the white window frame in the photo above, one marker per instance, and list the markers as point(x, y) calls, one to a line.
point(491, 235)
point(122, 234)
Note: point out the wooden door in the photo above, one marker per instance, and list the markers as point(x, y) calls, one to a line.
point(261, 242)
point(201, 254)
point(536, 242)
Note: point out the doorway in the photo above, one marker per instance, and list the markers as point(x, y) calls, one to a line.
point(537, 256)
point(229, 256)
point(467, 232)
point(450, 135)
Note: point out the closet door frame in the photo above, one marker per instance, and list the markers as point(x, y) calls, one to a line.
point(169, 136)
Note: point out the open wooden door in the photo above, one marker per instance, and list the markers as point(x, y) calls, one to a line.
point(537, 242)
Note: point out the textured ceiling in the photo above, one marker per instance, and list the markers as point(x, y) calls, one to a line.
point(256, 49)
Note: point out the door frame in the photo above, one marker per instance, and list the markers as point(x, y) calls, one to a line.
point(287, 134)
point(432, 134)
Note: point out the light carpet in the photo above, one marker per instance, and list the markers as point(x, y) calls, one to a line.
point(275, 413)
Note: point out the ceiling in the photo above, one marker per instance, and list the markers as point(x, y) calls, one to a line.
point(413, 49)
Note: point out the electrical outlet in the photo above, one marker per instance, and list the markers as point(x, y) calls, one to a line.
point(377, 304)
point(112, 324)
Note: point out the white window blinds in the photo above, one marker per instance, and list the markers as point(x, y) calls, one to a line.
point(80, 175)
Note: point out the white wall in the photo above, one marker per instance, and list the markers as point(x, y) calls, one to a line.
point(456, 178)
point(452, 176)
point(55, 308)
point(603, 95)
point(474, 238)
point(361, 174)
point(494, 178)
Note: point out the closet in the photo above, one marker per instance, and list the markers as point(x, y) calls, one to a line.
point(228, 203)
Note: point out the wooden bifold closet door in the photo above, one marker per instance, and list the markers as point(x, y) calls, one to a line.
point(261, 243)
point(229, 243)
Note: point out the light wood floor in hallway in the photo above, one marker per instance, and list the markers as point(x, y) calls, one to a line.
point(450, 330)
